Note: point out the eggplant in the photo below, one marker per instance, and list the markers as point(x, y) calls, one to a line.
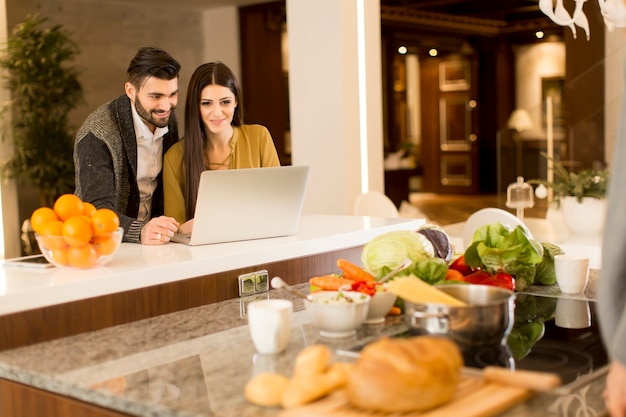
point(439, 239)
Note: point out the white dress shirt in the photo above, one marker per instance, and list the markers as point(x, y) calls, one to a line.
point(149, 162)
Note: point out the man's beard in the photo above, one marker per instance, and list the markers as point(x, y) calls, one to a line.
point(147, 115)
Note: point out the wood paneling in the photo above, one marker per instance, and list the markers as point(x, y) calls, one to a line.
point(263, 82)
point(63, 320)
point(584, 95)
point(17, 400)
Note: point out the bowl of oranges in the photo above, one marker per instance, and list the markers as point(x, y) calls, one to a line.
point(75, 234)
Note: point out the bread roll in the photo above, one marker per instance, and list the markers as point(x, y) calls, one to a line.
point(338, 373)
point(301, 391)
point(403, 375)
point(266, 389)
point(312, 360)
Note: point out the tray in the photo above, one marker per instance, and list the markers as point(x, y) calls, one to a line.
point(474, 398)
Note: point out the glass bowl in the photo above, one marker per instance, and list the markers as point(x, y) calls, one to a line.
point(97, 252)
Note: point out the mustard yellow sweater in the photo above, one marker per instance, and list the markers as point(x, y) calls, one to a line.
point(253, 147)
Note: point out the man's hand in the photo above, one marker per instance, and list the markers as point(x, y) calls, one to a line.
point(615, 392)
point(158, 230)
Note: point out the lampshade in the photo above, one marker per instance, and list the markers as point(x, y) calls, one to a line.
point(519, 120)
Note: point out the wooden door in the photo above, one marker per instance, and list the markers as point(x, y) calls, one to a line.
point(449, 124)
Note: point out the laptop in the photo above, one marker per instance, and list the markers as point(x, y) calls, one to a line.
point(246, 204)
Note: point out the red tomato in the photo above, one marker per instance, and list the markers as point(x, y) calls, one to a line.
point(459, 265)
point(502, 280)
point(477, 277)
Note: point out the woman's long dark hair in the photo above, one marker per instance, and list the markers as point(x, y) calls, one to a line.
point(213, 73)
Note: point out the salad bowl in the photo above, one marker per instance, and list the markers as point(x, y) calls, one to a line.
point(380, 304)
point(337, 314)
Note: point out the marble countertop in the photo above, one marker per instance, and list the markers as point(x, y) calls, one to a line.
point(138, 266)
point(196, 363)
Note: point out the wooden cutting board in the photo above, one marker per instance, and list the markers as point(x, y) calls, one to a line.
point(474, 398)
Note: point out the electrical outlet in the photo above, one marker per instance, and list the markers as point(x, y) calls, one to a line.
point(261, 281)
point(253, 283)
point(245, 301)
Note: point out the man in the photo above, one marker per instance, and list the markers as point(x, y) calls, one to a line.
point(118, 152)
point(612, 282)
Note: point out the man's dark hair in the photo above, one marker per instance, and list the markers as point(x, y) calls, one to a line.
point(151, 61)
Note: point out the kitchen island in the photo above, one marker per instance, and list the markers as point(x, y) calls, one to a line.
point(190, 363)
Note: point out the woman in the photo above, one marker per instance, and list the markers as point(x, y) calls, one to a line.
point(215, 138)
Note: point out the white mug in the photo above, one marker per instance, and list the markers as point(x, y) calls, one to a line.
point(572, 313)
point(572, 273)
point(270, 324)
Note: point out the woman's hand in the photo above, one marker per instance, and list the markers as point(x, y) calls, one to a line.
point(186, 227)
point(159, 230)
point(615, 391)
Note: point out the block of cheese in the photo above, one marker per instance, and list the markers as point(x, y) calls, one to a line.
point(414, 290)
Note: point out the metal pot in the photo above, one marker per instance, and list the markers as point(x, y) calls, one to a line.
point(486, 321)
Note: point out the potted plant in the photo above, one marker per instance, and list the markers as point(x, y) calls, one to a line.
point(581, 197)
point(44, 89)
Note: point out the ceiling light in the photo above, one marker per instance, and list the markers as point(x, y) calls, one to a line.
point(539, 34)
point(402, 50)
point(433, 52)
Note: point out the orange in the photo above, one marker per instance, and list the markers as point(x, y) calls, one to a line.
point(104, 220)
point(105, 245)
point(41, 216)
point(82, 256)
point(51, 235)
point(60, 256)
point(77, 230)
point(88, 209)
point(68, 205)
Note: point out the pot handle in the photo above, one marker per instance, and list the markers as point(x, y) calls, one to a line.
point(438, 322)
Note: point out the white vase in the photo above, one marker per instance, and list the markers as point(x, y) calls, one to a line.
point(586, 217)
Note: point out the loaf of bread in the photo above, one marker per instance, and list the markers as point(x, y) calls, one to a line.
point(400, 375)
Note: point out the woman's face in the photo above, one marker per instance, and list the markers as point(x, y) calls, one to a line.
point(217, 107)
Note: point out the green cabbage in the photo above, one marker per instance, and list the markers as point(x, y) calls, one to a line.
point(383, 253)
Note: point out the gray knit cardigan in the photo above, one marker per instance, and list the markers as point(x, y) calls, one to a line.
point(105, 163)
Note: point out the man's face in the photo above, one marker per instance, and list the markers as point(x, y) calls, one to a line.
point(155, 100)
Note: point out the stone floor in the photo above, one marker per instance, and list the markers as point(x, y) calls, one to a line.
point(444, 209)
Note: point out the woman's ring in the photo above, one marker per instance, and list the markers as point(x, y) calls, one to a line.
point(158, 236)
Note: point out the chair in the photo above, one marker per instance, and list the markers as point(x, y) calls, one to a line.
point(374, 203)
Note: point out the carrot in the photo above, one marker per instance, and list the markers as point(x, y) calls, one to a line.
point(394, 311)
point(330, 282)
point(354, 272)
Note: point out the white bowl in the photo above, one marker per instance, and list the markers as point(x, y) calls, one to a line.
point(338, 318)
point(380, 304)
